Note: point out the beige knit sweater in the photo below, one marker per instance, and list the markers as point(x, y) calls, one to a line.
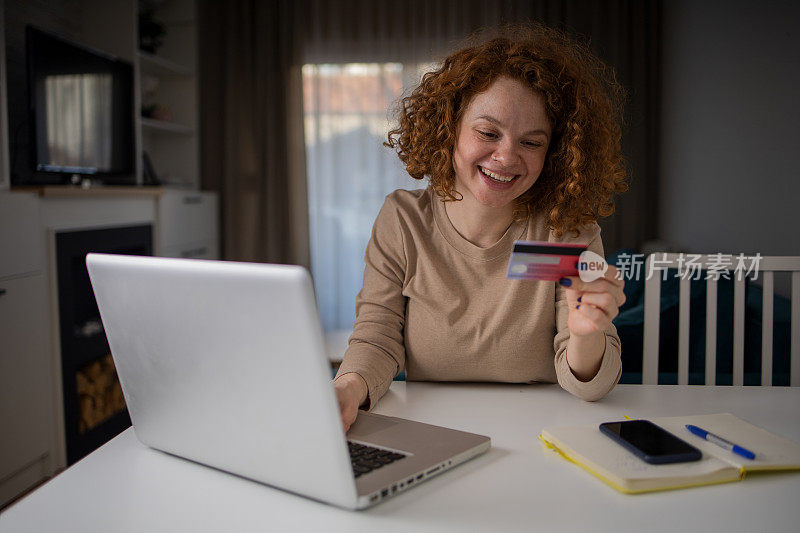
point(442, 308)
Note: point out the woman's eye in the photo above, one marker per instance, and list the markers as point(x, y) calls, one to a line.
point(487, 134)
point(533, 144)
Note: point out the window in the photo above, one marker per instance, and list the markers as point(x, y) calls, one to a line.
point(347, 112)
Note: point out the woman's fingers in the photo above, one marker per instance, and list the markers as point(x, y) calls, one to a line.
point(348, 403)
point(602, 301)
point(599, 286)
point(594, 314)
point(594, 303)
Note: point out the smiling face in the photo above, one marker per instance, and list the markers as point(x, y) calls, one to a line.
point(501, 144)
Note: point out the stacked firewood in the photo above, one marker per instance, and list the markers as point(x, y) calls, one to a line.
point(99, 393)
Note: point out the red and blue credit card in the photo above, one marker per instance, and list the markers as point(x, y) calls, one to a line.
point(544, 261)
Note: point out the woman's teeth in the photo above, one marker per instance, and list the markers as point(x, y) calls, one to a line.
point(496, 177)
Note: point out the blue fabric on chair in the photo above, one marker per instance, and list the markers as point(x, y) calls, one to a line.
point(634, 288)
point(630, 326)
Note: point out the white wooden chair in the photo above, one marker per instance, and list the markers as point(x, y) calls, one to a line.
point(657, 262)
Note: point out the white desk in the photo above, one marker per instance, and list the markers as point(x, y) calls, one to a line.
point(516, 486)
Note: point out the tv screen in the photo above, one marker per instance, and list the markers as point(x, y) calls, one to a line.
point(81, 104)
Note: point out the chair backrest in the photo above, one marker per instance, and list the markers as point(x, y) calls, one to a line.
point(711, 267)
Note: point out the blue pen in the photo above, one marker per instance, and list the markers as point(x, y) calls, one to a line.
point(722, 443)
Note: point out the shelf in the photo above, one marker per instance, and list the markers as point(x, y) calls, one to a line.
point(160, 67)
point(160, 126)
point(76, 191)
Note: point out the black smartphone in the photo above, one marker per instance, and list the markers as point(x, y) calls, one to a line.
point(650, 443)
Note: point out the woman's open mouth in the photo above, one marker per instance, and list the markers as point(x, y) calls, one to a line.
point(497, 178)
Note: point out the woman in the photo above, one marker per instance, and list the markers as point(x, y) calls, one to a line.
point(519, 138)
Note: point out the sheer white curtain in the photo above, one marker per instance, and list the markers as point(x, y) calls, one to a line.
point(346, 119)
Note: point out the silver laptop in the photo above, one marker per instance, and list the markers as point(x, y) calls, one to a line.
point(224, 364)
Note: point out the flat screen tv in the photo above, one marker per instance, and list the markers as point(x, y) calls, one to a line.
point(81, 112)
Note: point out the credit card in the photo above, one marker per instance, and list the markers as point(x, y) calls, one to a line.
point(543, 261)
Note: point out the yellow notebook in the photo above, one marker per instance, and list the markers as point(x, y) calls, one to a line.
point(590, 449)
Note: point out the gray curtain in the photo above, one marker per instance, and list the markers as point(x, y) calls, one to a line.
point(251, 108)
point(249, 89)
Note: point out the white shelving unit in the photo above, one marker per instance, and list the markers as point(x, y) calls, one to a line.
point(168, 81)
point(184, 219)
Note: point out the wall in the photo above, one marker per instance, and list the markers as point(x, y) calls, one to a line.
point(730, 164)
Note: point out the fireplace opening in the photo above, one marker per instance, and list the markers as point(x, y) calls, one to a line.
point(99, 393)
point(94, 409)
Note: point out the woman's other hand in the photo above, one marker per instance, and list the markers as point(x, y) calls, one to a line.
point(592, 307)
point(351, 392)
point(593, 304)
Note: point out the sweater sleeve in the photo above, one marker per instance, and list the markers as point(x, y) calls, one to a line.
point(611, 365)
point(376, 350)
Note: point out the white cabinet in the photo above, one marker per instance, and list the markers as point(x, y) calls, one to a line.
point(21, 238)
point(26, 383)
point(187, 225)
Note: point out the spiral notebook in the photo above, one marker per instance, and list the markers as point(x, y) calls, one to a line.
point(587, 447)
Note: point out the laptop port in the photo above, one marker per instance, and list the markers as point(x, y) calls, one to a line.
point(394, 489)
point(373, 498)
point(420, 476)
point(410, 481)
point(432, 470)
point(385, 492)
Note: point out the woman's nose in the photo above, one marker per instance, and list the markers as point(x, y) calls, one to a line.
point(506, 154)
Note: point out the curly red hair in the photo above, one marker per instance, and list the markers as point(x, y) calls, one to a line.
point(583, 168)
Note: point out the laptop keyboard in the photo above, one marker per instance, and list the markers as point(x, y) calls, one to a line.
point(365, 458)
